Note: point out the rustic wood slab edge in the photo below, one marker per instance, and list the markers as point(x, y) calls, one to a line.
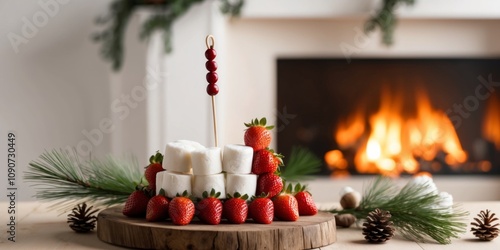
point(308, 232)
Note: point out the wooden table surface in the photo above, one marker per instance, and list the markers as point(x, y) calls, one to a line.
point(40, 228)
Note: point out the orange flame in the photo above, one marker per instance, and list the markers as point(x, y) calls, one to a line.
point(350, 130)
point(392, 144)
point(491, 123)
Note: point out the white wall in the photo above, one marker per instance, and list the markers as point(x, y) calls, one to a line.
point(54, 87)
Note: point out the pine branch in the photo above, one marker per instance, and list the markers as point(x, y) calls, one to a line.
point(378, 194)
point(416, 214)
point(302, 163)
point(62, 176)
point(385, 19)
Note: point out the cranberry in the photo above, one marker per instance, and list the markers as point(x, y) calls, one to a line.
point(210, 54)
point(212, 89)
point(211, 65)
point(212, 77)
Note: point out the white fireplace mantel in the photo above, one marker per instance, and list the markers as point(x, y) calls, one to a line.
point(321, 9)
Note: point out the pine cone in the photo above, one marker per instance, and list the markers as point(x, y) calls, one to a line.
point(378, 226)
point(82, 218)
point(484, 229)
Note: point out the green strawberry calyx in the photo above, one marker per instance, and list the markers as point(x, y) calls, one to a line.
point(140, 187)
point(212, 194)
point(300, 188)
point(156, 158)
point(256, 122)
point(262, 195)
point(288, 189)
point(162, 192)
point(237, 196)
point(276, 156)
point(185, 194)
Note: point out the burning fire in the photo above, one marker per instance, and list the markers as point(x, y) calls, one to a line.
point(491, 122)
point(390, 143)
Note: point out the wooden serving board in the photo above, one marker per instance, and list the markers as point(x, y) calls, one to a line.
point(308, 232)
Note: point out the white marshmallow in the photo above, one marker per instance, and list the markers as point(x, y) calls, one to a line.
point(193, 144)
point(177, 157)
point(206, 161)
point(237, 159)
point(204, 183)
point(176, 183)
point(159, 181)
point(241, 183)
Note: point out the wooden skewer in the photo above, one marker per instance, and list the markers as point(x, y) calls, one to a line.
point(210, 42)
point(215, 121)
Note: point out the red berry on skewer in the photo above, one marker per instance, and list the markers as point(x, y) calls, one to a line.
point(212, 89)
point(212, 77)
point(210, 54)
point(211, 65)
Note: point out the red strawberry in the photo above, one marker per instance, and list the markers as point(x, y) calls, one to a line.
point(270, 184)
point(257, 135)
point(181, 209)
point(286, 206)
point(157, 208)
point(153, 168)
point(266, 161)
point(305, 201)
point(236, 208)
point(136, 204)
point(209, 209)
point(261, 210)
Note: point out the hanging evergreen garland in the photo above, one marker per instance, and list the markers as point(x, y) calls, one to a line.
point(385, 19)
point(167, 11)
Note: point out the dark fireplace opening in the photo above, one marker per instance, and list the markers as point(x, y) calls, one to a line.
point(393, 116)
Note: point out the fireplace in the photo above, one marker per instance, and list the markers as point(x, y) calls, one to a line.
point(393, 116)
point(267, 32)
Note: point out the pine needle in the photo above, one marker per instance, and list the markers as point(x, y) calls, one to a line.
point(416, 214)
point(301, 164)
point(61, 176)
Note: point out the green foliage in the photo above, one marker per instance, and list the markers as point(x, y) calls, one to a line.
point(156, 158)
point(256, 122)
point(299, 188)
point(211, 194)
point(233, 9)
point(386, 20)
point(302, 162)
point(62, 176)
point(111, 38)
point(166, 12)
point(415, 213)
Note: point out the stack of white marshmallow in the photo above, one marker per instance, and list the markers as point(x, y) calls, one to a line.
point(194, 168)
